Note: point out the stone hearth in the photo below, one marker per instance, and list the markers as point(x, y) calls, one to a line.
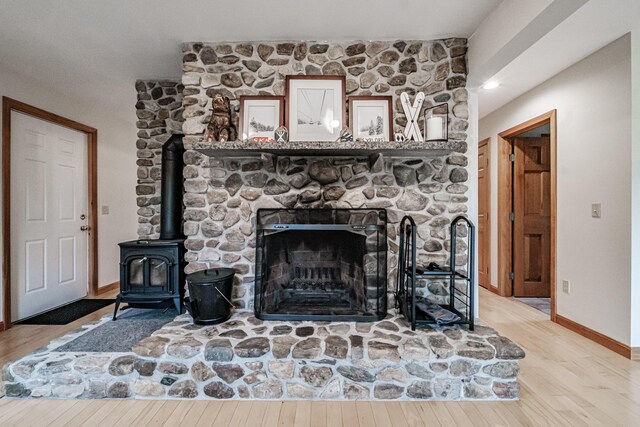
point(245, 358)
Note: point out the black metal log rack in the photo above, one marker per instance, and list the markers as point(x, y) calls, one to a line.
point(460, 278)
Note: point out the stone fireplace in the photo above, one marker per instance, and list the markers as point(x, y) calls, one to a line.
point(321, 264)
point(327, 214)
point(225, 189)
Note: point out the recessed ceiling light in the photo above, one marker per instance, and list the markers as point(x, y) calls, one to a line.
point(491, 85)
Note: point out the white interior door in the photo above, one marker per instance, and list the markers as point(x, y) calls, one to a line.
point(48, 207)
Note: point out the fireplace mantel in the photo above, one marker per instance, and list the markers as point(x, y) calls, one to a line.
point(326, 148)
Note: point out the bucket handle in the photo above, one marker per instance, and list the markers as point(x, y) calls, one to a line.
point(222, 295)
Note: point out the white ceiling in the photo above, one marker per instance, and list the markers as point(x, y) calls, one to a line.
point(95, 50)
point(591, 27)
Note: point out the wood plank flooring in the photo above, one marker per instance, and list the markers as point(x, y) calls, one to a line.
point(566, 380)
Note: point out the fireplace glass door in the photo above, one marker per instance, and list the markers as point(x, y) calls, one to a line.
point(327, 264)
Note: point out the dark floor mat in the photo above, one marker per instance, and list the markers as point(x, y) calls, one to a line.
point(119, 336)
point(67, 313)
point(541, 304)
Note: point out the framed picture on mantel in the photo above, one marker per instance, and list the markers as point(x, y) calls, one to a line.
point(316, 107)
point(259, 117)
point(371, 118)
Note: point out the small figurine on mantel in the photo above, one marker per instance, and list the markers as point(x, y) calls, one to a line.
point(281, 134)
point(220, 127)
point(412, 112)
point(345, 135)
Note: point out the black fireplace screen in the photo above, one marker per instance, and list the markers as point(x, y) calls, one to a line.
point(321, 264)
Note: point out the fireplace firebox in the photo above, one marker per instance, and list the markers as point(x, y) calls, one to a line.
point(321, 264)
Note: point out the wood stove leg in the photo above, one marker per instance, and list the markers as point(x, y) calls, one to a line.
point(179, 305)
point(116, 309)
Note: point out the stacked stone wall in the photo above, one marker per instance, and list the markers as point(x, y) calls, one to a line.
point(436, 68)
point(159, 112)
point(223, 194)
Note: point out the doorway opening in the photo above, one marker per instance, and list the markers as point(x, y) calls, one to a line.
point(36, 202)
point(484, 213)
point(527, 213)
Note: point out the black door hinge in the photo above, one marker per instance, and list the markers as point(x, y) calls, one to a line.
point(512, 276)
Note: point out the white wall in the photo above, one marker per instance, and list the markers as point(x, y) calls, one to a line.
point(635, 194)
point(116, 164)
point(472, 167)
point(593, 102)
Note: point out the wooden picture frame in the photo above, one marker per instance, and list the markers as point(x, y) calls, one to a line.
point(377, 101)
point(324, 120)
point(243, 134)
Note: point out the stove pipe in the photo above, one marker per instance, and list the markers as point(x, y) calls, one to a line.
point(171, 189)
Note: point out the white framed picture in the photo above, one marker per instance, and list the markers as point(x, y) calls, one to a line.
point(316, 107)
point(260, 116)
point(371, 118)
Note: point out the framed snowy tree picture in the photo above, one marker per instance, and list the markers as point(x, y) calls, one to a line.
point(259, 117)
point(316, 107)
point(371, 118)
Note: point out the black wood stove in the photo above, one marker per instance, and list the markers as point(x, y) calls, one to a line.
point(152, 271)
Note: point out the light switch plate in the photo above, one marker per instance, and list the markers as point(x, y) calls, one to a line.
point(596, 210)
point(105, 210)
point(566, 286)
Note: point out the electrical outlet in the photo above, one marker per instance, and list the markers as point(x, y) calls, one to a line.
point(105, 210)
point(596, 210)
point(566, 286)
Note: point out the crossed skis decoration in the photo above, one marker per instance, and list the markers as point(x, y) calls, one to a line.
point(412, 130)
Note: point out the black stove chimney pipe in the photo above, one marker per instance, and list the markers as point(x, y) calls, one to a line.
point(171, 189)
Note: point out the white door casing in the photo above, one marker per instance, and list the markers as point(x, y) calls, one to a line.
point(49, 190)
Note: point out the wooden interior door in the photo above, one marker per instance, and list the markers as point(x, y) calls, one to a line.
point(532, 217)
point(484, 206)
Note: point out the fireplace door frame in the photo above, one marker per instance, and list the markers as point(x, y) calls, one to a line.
point(380, 229)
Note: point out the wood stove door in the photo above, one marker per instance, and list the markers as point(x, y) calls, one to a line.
point(158, 275)
point(147, 274)
point(134, 273)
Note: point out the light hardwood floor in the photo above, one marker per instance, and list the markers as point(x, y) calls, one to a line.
point(566, 380)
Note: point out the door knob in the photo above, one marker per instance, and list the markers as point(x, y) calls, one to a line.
point(84, 228)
